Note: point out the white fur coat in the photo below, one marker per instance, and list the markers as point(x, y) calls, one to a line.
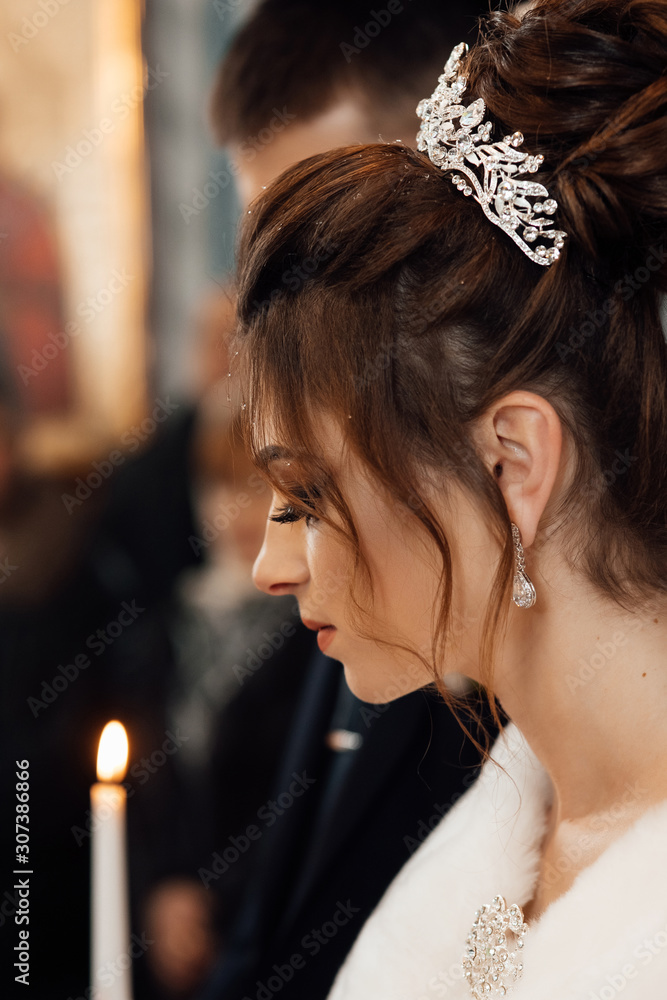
point(605, 938)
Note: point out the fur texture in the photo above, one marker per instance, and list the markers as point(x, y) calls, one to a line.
point(605, 937)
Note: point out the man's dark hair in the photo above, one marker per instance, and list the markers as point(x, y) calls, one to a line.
point(304, 54)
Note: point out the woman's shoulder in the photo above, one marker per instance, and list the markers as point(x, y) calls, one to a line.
point(488, 843)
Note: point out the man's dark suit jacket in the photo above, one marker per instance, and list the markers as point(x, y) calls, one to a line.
point(327, 860)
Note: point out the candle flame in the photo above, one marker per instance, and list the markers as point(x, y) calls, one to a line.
point(112, 754)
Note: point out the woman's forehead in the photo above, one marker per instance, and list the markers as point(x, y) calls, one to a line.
point(323, 443)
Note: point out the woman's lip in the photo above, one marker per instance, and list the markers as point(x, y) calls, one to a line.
point(325, 636)
point(325, 633)
point(315, 626)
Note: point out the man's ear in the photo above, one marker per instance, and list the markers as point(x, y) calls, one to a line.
point(520, 437)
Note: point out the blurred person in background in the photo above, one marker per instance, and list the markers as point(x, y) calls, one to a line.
point(31, 298)
point(224, 632)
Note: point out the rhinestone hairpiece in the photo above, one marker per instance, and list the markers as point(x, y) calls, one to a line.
point(489, 171)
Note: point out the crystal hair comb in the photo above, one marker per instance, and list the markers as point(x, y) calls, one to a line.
point(492, 172)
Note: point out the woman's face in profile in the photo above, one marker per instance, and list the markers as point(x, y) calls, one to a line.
point(308, 558)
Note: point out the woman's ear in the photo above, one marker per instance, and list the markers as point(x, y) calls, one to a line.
point(521, 438)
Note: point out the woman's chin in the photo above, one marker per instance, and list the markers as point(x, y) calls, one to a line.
point(378, 689)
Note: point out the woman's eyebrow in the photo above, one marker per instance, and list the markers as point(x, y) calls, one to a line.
point(273, 453)
point(305, 464)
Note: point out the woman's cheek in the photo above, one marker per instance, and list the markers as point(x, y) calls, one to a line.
point(329, 564)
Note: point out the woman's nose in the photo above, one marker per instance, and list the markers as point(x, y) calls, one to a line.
point(281, 567)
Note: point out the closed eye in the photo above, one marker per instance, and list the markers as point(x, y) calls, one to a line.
point(291, 513)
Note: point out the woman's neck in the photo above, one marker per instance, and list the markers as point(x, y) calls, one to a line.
point(586, 683)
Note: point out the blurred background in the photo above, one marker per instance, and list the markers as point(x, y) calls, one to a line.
point(114, 265)
point(103, 149)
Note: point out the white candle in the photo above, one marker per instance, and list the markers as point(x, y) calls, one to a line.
point(110, 932)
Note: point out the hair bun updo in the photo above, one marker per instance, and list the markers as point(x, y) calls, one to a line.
point(586, 82)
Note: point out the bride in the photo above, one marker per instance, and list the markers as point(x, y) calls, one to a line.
point(461, 406)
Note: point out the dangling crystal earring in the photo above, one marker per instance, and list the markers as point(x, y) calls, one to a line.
point(523, 591)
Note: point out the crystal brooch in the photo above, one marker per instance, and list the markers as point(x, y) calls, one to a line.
point(492, 960)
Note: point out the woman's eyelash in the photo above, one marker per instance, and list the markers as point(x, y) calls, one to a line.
point(289, 514)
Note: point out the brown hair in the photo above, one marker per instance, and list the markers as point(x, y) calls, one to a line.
point(413, 313)
point(303, 55)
